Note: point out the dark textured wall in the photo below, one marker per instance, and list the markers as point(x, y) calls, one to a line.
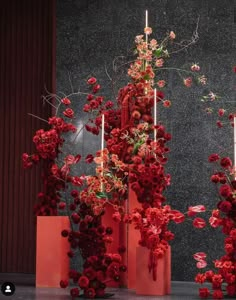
point(90, 34)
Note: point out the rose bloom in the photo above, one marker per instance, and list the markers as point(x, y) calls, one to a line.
point(219, 124)
point(216, 281)
point(148, 30)
point(161, 83)
point(166, 103)
point(221, 112)
point(225, 206)
point(225, 191)
point(159, 62)
point(217, 294)
point(188, 81)
point(226, 162)
point(172, 35)
point(92, 80)
point(64, 283)
point(65, 101)
point(83, 282)
point(204, 293)
point(195, 68)
point(200, 278)
point(69, 113)
point(213, 157)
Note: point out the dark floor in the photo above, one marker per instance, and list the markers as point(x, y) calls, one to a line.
point(179, 291)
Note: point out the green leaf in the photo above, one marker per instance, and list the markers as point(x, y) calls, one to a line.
point(158, 52)
point(101, 195)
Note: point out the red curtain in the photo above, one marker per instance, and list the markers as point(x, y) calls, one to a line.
point(27, 68)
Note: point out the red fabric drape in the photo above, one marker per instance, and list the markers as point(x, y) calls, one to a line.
point(27, 66)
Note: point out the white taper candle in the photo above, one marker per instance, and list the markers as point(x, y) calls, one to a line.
point(102, 148)
point(235, 147)
point(146, 25)
point(155, 114)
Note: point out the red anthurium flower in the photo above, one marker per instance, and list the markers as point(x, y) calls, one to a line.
point(201, 264)
point(199, 256)
point(89, 158)
point(199, 223)
point(197, 208)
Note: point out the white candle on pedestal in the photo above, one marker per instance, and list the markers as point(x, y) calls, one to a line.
point(235, 147)
point(146, 25)
point(102, 148)
point(155, 114)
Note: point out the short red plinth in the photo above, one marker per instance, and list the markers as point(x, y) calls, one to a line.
point(145, 285)
point(52, 262)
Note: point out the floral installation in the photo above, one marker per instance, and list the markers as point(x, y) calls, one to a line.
point(223, 277)
point(135, 155)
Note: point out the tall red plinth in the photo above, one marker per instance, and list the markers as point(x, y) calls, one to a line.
point(145, 285)
point(132, 243)
point(52, 262)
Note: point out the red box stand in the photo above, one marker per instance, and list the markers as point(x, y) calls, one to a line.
point(52, 262)
point(145, 285)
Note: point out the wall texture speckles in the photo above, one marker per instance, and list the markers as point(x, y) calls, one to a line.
point(91, 34)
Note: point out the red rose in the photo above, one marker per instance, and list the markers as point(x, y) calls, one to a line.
point(90, 293)
point(92, 80)
point(83, 282)
point(204, 293)
point(160, 95)
point(64, 283)
point(215, 178)
point(96, 88)
point(89, 158)
point(217, 294)
point(226, 162)
point(225, 206)
point(219, 124)
point(64, 233)
point(199, 223)
point(225, 191)
point(90, 273)
point(61, 205)
point(65, 101)
point(74, 292)
point(213, 157)
point(231, 290)
point(69, 113)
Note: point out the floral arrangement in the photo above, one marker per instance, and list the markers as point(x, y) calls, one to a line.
point(135, 155)
point(223, 277)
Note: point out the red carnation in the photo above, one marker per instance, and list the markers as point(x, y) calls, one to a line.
point(226, 162)
point(83, 282)
point(204, 293)
point(92, 80)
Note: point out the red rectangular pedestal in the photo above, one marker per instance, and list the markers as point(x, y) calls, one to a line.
point(145, 285)
point(52, 262)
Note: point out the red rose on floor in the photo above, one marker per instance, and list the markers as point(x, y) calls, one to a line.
point(74, 292)
point(204, 293)
point(90, 293)
point(226, 162)
point(92, 80)
point(69, 113)
point(64, 283)
point(217, 294)
point(83, 282)
point(199, 223)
